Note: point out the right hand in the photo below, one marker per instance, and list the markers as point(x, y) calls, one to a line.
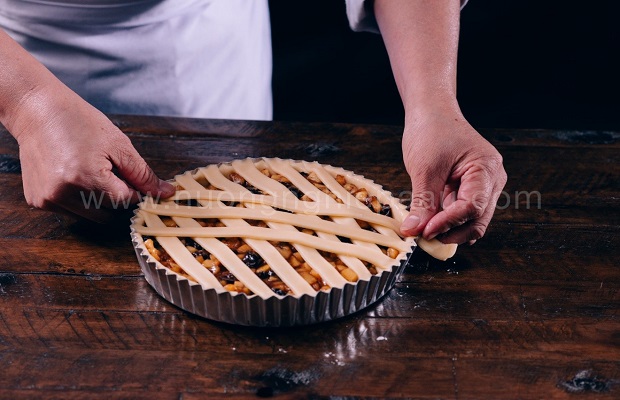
point(456, 176)
point(75, 161)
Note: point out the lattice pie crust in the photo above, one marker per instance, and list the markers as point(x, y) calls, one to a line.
point(273, 227)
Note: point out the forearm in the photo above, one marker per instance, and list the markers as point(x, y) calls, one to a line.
point(456, 175)
point(421, 37)
point(23, 83)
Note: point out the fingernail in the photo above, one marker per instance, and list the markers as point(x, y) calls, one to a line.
point(411, 222)
point(166, 187)
point(433, 235)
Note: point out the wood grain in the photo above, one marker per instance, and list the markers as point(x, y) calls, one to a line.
point(529, 312)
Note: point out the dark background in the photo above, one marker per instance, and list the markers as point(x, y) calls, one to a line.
point(522, 64)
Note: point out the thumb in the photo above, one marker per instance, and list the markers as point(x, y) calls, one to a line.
point(135, 171)
point(425, 199)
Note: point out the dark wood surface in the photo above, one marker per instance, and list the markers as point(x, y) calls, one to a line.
point(529, 312)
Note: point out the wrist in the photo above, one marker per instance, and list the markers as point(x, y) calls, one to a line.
point(26, 87)
point(27, 107)
point(432, 107)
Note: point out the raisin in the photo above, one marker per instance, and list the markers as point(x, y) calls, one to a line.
point(296, 192)
point(252, 260)
point(265, 274)
point(201, 253)
point(192, 243)
point(188, 202)
point(253, 189)
point(344, 239)
point(386, 210)
point(228, 277)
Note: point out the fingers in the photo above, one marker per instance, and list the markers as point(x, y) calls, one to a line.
point(115, 193)
point(472, 200)
point(427, 193)
point(89, 194)
point(450, 194)
point(467, 219)
point(133, 176)
point(135, 171)
point(470, 231)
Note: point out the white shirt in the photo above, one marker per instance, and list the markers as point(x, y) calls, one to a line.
point(190, 58)
point(361, 18)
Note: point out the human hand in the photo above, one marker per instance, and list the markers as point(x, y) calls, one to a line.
point(456, 178)
point(75, 161)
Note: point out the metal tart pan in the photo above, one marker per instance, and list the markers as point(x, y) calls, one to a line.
point(277, 311)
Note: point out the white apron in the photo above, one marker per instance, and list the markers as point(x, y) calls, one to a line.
point(191, 58)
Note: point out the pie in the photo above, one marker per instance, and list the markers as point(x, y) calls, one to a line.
point(273, 229)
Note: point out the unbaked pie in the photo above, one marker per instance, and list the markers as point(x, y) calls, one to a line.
point(273, 229)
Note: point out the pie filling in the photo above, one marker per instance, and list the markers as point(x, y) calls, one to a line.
point(273, 228)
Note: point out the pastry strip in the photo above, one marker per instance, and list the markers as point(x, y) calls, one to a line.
point(295, 205)
point(271, 215)
point(437, 249)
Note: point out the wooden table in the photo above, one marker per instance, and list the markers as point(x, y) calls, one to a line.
point(529, 312)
